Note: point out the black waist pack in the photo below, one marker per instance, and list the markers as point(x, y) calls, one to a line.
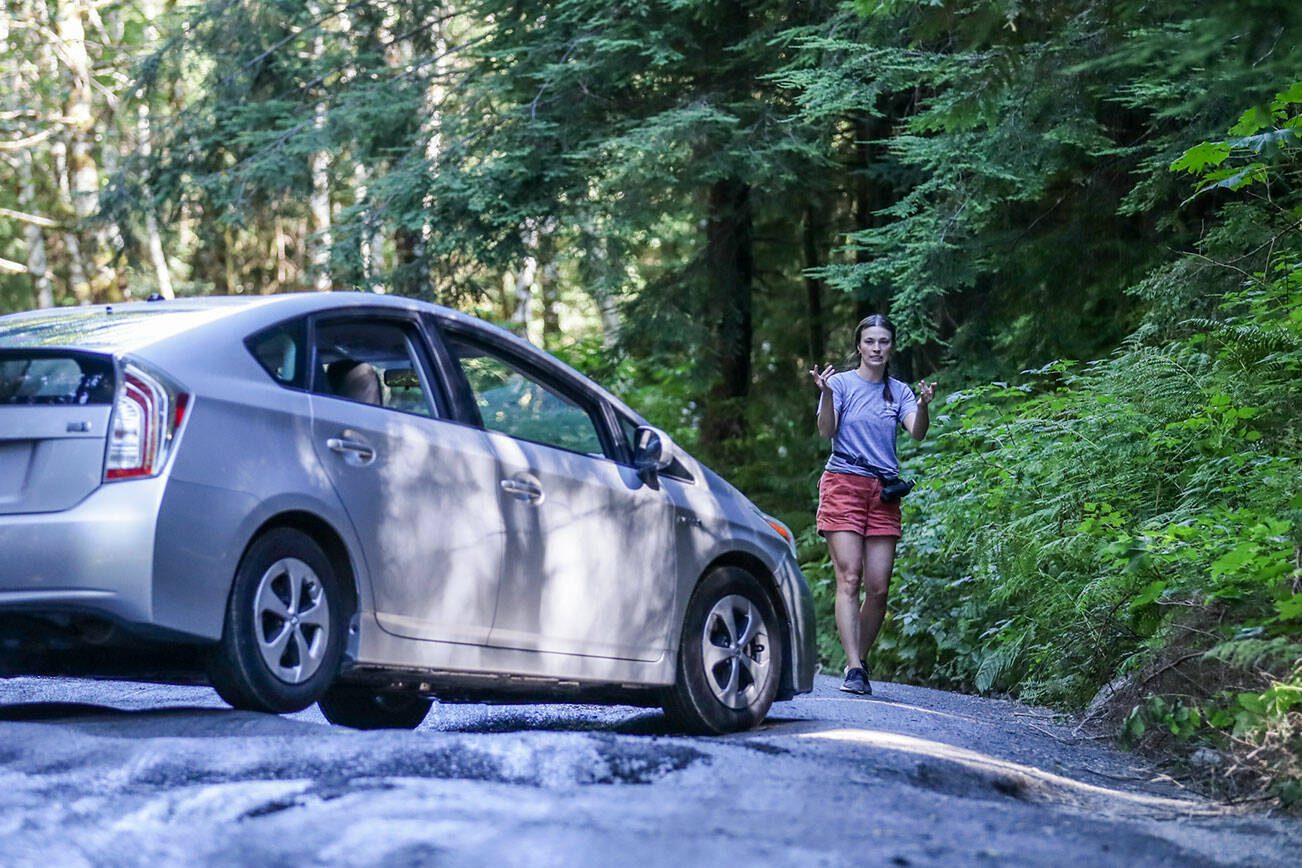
point(893, 487)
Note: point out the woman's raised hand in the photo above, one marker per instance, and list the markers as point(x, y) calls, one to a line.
point(823, 380)
point(926, 391)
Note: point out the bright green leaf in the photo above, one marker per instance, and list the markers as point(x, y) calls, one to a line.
point(1199, 157)
point(1289, 608)
point(1148, 595)
point(1291, 96)
point(1254, 119)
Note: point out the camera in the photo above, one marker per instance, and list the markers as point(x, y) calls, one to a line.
point(894, 489)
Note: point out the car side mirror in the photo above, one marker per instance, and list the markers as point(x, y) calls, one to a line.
point(653, 451)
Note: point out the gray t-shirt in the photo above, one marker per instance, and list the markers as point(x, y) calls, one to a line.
point(866, 423)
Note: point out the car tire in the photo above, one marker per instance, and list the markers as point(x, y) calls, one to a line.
point(285, 626)
point(730, 656)
point(363, 708)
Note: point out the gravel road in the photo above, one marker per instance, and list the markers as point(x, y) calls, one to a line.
point(102, 773)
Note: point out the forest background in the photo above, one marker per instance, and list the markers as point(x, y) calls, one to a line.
point(1083, 215)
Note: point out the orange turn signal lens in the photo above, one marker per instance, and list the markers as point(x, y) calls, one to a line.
point(782, 531)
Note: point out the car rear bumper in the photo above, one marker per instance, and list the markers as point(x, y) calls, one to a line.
point(96, 558)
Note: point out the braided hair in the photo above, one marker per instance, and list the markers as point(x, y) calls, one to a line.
point(880, 321)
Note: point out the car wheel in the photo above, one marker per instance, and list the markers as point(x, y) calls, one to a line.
point(284, 632)
point(729, 656)
point(363, 708)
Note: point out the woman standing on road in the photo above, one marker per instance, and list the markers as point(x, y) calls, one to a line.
point(860, 411)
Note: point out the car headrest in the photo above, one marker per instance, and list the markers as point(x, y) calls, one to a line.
point(356, 381)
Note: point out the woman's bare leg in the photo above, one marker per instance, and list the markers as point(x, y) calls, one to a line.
point(847, 549)
point(878, 561)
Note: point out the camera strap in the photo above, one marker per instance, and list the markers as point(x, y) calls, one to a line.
point(859, 462)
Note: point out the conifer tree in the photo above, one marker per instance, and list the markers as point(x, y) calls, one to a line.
point(632, 121)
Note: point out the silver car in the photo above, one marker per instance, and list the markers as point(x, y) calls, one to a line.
point(371, 502)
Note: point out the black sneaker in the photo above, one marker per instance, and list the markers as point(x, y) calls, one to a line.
point(856, 681)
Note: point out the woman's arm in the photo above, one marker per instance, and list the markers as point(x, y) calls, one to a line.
point(827, 421)
point(917, 422)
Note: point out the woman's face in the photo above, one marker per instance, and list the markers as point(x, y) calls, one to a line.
point(875, 346)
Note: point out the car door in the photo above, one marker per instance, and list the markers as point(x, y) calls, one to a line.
point(589, 553)
point(420, 489)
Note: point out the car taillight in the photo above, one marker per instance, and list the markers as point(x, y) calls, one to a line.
point(147, 414)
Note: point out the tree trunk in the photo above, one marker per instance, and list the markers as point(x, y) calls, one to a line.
point(92, 277)
point(549, 291)
point(78, 279)
point(729, 263)
point(279, 258)
point(523, 284)
point(153, 235)
point(435, 93)
point(408, 278)
point(551, 317)
point(871, 197)
point(319, 208)
point(370, 244)
point(319, 167)
point(812, 238)
point(230, 271)
point(865, 131)
point(610, 323)
point(17, 96)
point(594, 276)
point(37, 264)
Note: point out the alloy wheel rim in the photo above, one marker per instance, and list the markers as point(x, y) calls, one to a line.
point(735, 651)
point(291, 618)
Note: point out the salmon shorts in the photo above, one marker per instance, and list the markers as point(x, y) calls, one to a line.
point(850, 502)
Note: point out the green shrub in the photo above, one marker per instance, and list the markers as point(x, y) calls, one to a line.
point(1136, 517)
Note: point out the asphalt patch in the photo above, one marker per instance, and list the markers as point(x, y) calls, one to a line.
point(764, 747)
point(617, 762)
point(956, 779)
point(39, 711)
point(642, 763)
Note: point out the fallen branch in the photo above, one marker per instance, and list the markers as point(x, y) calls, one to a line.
point(1174, 663)
point(8, 266)
point(1071, 740)
point(27, 142)
point(34, 219)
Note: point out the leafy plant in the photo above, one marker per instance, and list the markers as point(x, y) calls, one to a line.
point(1137, 517)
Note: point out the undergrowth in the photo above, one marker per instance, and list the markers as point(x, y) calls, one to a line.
point(1126, 534)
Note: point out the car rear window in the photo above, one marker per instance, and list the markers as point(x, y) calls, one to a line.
point(55, 378)
point(106, 328)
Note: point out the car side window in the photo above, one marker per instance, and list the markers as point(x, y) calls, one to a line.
point(513, 401)
point(628, 429)
point(279, 350)
point(372, 362)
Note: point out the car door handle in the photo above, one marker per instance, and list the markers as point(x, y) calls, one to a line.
point(523, 489)
point(354, 451)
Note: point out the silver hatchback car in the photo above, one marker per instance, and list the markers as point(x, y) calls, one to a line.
point(371, 502)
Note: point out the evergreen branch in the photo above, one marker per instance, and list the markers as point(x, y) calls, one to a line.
point(1247, 275)
point(533, 104)
point(290, 37)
